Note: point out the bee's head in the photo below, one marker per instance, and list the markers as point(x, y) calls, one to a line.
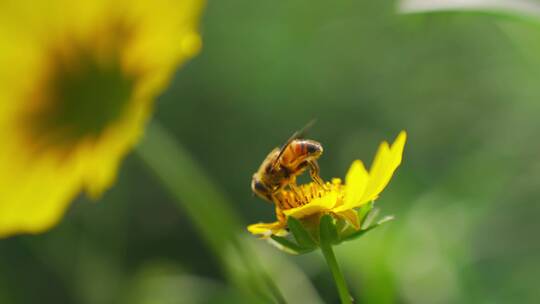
point(313, 148)
point(260, 188)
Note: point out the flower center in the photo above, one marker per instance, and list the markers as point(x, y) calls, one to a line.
point(83, 91)
point(304, 194)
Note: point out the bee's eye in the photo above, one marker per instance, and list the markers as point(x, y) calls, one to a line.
point(259, 186)
point(313, 148)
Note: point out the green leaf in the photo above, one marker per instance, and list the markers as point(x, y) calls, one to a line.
point(302, 236)
point(291, 246)
point(328, 232)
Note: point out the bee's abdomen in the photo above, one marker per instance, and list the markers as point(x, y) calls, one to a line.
point(306, 147)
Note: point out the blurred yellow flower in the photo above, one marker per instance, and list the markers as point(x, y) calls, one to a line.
point(312, 200)
point(77, 85)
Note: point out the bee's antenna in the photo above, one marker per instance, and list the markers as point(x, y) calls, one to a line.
point(309, 125)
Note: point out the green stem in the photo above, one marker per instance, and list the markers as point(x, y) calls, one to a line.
point(330, 257)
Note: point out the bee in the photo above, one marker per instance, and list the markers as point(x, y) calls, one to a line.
point(283, 164)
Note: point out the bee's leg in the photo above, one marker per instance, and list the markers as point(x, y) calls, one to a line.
point(314, 172)
point(273, 198)
point(292, 182)
point(294, 187)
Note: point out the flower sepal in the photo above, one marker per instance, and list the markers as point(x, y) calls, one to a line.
point(301, 239)
point(345, 231)
point(368, 223)
point(306, 234)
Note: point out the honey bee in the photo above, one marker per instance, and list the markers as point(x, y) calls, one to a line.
point(282, 165)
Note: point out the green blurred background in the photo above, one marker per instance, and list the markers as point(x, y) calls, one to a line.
point(464, 86)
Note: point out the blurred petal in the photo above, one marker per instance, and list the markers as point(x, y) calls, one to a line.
point(92, 72)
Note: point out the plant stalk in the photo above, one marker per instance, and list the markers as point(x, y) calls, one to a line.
point(339, 279)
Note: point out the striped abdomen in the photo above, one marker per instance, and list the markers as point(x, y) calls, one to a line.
point(300, 150)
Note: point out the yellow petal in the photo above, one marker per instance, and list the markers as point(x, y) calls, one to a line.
point(265, 230)
point(355, 186)
point(386, 162)
point(351, 216)
point(318, 205)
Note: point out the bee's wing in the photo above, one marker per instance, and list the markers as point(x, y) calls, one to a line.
point(298, 134)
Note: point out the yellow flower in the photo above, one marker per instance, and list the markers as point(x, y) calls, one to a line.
point(309, 202)
point(77, 85)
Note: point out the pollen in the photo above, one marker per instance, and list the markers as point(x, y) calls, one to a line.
point(296, 196)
